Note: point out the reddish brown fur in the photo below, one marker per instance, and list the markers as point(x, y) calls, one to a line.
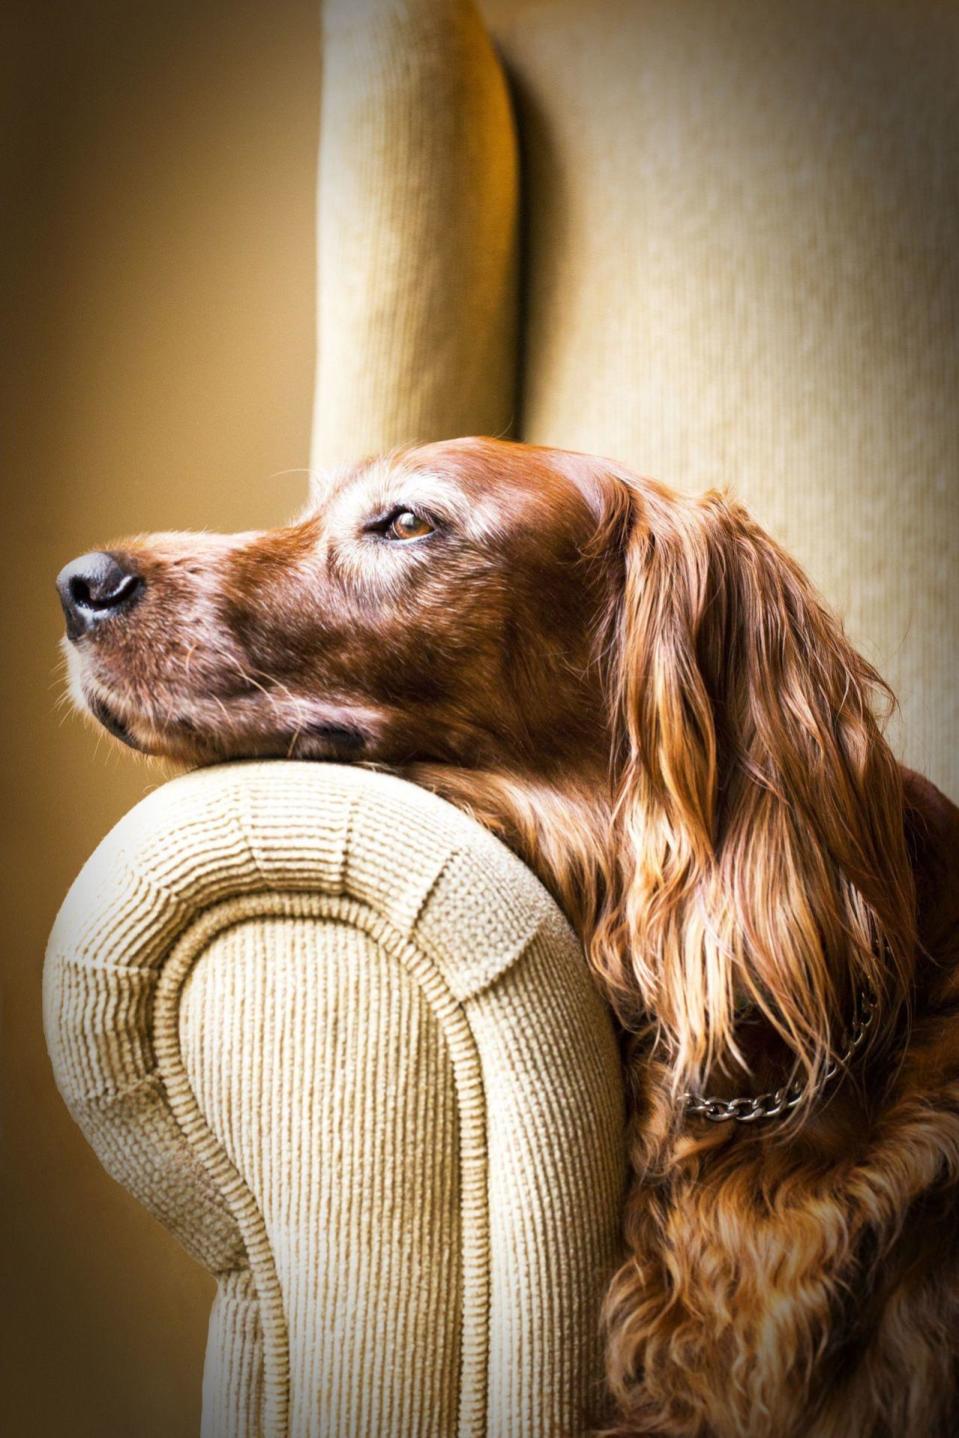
point(643, 695)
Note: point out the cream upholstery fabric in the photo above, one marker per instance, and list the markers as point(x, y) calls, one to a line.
point(740, 268)
point(416, 229)
point(744, 271)
point(331, 1033)
point(341, 1042)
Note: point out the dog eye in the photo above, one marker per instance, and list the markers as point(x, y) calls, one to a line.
point(407, 524)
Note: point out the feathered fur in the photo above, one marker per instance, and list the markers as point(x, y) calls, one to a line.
point(642, 693)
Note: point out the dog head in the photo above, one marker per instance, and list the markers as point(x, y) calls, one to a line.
point(524, 628)
point(433, 606)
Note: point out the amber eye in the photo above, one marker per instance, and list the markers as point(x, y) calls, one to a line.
point(406, 524)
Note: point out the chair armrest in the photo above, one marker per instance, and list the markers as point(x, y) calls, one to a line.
point(340, 1041)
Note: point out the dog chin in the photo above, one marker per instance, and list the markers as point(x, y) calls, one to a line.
point(184, 743)
point(142, 739)
point(344, 741)
point(112, 723)
point(342, 735)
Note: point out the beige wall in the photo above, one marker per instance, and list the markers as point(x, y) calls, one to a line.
point(161, 246)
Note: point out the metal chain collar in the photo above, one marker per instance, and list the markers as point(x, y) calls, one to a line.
point(783, 1100)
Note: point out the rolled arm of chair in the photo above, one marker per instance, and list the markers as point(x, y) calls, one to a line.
point(340, 1041)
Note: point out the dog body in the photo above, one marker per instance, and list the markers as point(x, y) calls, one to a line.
point(641, 693)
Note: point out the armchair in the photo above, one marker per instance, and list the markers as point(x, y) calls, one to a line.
point(330, 1031)
point(340, 1041)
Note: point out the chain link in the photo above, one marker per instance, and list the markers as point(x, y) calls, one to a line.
point(780, 1101)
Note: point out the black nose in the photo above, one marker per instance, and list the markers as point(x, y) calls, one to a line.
point(96, 587)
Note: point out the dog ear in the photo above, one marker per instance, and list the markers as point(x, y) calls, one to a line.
point(759, 857)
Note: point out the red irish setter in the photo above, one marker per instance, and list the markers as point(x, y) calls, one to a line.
point(644, 696)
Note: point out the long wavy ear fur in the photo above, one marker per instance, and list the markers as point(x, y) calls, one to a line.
point(759, 857)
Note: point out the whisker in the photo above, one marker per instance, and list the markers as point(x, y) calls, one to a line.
point(248, 678)
point(296, 469)
point(273, 682)
point(222, 707)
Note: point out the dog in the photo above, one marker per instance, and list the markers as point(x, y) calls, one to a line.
point(643, 695)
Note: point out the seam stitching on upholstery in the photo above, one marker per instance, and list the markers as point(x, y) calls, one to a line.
point(244, 821)
point(83, 964)
point(448, 859)
point(138, 875)
point(347, 846)
point(121, 1091)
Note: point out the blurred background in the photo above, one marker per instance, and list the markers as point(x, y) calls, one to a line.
point(161, 249)
point(738, 247)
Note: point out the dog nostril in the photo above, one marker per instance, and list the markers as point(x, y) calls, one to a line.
point(105, 594)
point(79, 591)
point(96, 587)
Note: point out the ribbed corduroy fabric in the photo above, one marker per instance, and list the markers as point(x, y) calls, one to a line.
point(332, 1034)
point(742, 269)
point(416, 230)
point(343, 1044)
